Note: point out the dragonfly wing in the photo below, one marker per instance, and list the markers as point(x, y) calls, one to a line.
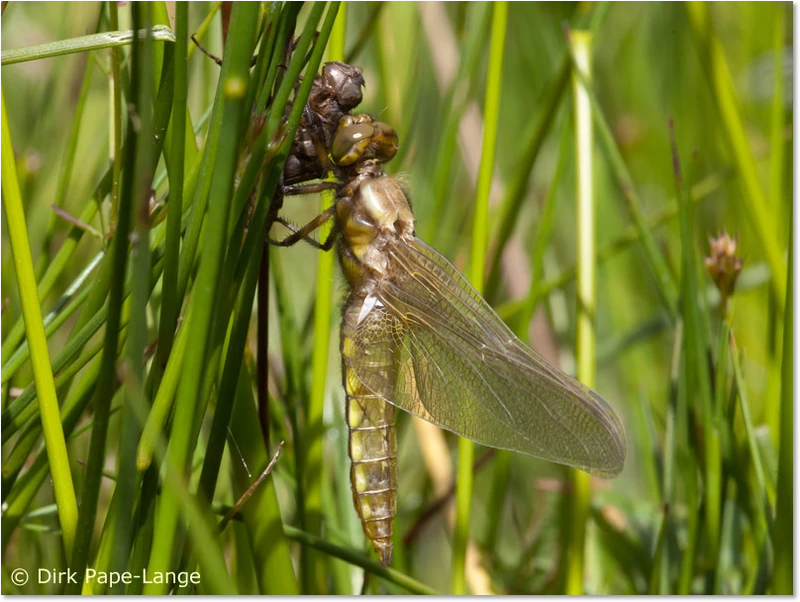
point(460, 367)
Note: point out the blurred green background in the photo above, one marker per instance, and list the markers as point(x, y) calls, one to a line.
point(722, 73)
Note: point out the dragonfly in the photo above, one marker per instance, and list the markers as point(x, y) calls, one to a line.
point(416, 335)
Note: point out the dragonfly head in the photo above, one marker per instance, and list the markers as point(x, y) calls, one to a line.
point(359, 138)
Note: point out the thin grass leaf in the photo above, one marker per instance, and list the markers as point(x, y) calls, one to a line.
point(147, 153)
point(34, 329)
point(199, 519)
point(116, 107)
point(784, 517)
point(98, 41)
point(118, 261)
point(70, 359)
point(752, 445)
point(656, 586)
point(269, 547)
point(480, 233)
point(585, 339)
point(56, 267)
point(360, 560)
point(543, 235)
point(170, 303)
point(20, 497)
point(777, 112)
point(664, 279)
point(323, 310)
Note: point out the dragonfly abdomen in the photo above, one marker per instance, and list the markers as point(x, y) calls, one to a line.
point(373, 454)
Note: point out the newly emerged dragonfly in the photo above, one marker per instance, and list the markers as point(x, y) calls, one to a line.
point(416, 335)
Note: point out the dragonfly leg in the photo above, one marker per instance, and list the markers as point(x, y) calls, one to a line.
point(324, 246)
point(299, 234)
point(332, 236)
point(314, 188)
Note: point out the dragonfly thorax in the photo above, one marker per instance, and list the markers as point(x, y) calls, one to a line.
point(372, 212)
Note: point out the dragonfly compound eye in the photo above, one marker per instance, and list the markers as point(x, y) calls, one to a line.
point(357, 140)
point(384, 142)
point(350, 142)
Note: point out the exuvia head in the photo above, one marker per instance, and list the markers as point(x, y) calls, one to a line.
point(345, 83)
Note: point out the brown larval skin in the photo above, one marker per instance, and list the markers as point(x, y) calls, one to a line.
point(335, 92)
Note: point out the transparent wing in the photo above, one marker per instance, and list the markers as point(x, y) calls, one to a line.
point(457, 365)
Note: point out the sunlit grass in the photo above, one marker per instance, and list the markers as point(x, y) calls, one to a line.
point(164, 401)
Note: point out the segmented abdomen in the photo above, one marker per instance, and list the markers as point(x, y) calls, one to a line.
point(373, 452)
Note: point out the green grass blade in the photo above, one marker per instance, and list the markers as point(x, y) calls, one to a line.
point(359, 559)
point(323, 310)
point(543, 236)
point(270, 550)
point(686, 475)
point(171, 304)
point(147, 152)
point(761, 509)
point(696, 352)
point(664, 279)
point(62, 310)
point(783, 583)
point(55, 268)
point(202, 532)
point(116, 296)
point(21, 409)
point(689, 366)
point(777, 140)
point(34, 329)
point(655, 585)
point(480, 233)
point(109, 39)
point(585, 341)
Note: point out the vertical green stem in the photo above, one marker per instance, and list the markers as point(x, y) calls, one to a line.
point(491, 117)
point(175, 168)
point(314, 575)
point(116, 115)
point(585, 342)
point(141, 180)
point(37, 340)
point(784, 516)
point(778, 199)
point(107, 380)
point(776, 134)
point(189, 401)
